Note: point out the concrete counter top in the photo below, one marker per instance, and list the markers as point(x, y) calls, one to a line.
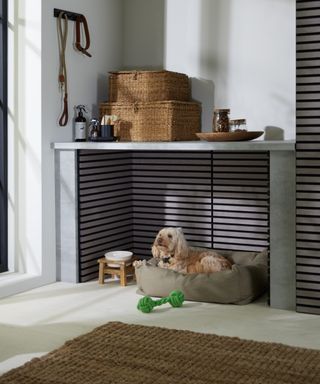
point(255, 145)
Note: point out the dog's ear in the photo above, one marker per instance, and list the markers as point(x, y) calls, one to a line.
point(155, 251)
point(181, 249)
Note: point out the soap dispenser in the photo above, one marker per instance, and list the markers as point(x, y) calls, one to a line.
point(80, 124)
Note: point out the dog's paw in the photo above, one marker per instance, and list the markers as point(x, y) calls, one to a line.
point(139, 263)
point(164, 264)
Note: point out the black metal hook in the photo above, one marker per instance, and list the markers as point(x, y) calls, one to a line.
point(71, 15)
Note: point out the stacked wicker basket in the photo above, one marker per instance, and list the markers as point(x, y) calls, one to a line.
point(152, 106)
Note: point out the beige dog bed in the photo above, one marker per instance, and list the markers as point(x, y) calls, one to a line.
point(247, 280)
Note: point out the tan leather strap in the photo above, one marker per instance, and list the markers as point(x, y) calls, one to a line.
point(63, 78)
point(82, 20)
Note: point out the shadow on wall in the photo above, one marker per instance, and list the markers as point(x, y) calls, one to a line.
point(102, 93)
point(213, 42)
point(203, 92)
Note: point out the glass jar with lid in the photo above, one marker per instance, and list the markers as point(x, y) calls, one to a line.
point(221, 120)
point(238, 125)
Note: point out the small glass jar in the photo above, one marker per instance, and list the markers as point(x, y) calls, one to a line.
point(238, 125)
point(221, 120)
point(94, 129)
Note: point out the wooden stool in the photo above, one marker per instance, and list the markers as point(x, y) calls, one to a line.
point(123, 269)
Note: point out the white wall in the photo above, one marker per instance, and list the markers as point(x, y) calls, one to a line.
point(241, 54)
point(143, 32)
point(87, 85)
point(34, 104)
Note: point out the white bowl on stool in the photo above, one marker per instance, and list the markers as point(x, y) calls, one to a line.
point(114, 257)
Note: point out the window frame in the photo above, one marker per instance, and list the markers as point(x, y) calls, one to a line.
point(4, 136)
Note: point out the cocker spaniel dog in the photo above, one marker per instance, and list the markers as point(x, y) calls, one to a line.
point(171, 249)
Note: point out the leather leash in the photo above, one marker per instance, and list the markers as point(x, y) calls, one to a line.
point(63, 78)
point(81, 20)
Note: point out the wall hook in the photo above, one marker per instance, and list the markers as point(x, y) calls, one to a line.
point(71, 15)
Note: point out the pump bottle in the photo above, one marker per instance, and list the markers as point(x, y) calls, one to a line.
point(80, 125)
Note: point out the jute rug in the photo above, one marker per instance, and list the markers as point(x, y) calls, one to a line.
point(121, 353)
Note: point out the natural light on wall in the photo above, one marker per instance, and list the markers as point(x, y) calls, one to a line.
point(24, 131)
point(240, 54)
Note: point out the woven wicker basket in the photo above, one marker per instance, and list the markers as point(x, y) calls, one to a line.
point(156, 121)
point(147, 86)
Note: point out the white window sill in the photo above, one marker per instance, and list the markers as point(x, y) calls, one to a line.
point(12, 283)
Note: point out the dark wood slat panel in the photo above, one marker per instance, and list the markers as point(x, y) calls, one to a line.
point(305, 86)
point(238, 247)
point(308, 261)
point(240, 222)
point(308, 121)
point(123, 227)
point(310, 310)
point(308, 113)
point(308, 228)
point(312, 269)
point(303, 4)
point(308, 293)
point(151, 230)
point(95, 190)
point(241, 229)
point(306, 277)
point(306, 62)
point(244, 189)
point(236, 211)
point(308, 96)
point(308, 163)
point(169, 222)
point(101, 249)
point(310, 104)
point(241, 235)
point(308, 13)
point(218, 157)
point(308, 285)
point(307, 253)
point(172, 189)
point(308, 302)
point(105, 212)
point(308, 144)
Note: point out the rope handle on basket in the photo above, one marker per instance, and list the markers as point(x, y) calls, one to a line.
point(175, 299)
point(135, 108)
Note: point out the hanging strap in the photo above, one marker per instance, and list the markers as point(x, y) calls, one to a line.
point(63, 78)
point(82, 20)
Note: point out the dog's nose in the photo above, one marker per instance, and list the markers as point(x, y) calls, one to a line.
point(159, 240)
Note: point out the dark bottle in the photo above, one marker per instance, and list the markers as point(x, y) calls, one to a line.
point(80, 125)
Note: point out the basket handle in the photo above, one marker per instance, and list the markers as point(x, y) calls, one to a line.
point(135, 75)
point(135, 107)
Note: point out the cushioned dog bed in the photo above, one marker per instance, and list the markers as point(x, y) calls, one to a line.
point(247, 280)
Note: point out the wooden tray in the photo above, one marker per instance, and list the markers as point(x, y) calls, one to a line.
point(230, 136)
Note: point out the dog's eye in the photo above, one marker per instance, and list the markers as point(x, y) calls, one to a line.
point(170, 236)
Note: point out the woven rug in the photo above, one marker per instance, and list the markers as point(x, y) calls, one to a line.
point(122, 353)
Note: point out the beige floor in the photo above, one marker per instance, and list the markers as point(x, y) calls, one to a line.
point(35, 322)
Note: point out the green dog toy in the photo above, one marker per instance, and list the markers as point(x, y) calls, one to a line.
point(175, 299)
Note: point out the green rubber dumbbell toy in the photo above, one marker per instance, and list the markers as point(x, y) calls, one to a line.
point(175, 299)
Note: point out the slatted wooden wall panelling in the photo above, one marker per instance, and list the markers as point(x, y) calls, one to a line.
point(171, 189)
point(105, 207)
point(221, 200)
point(240, 218)
point(308, 156)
